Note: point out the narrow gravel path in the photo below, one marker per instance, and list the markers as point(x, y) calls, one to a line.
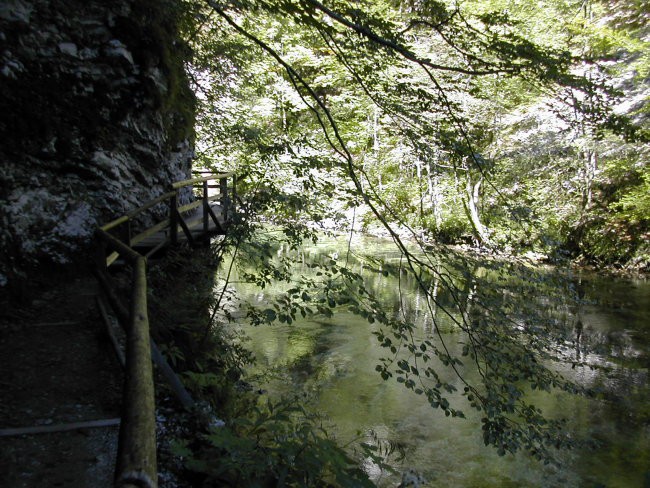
point(57, 368)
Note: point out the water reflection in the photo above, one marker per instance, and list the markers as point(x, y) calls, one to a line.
point(332, 361)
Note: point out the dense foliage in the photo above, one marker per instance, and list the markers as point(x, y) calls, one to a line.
point(490, 122)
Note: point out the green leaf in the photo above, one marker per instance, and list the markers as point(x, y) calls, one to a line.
point(270, 315)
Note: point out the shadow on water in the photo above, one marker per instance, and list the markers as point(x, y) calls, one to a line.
point(331, 362)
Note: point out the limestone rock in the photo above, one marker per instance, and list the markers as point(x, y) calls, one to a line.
point(86, 133)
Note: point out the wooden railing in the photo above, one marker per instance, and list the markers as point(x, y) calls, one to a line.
point(136, 459)
point(122, 227)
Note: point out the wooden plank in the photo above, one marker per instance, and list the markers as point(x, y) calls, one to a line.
point(150, 231)
point(173, 222)
point(166, 196)
point(191, 219)
point(233, 192)
point(225, 202)
point(110, 289)
point(47, 429)
point(172, 378)
point(153, 241)
point(206, 207)
point(125, 234)
point(192, 224)
point(125, 218)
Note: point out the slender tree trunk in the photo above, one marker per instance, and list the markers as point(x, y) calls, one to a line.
point(375, 132)
point(436, 197)
point(421, 193)
point(470, 202)
point(591, 166)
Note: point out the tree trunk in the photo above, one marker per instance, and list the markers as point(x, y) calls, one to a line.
point(470, 202)
point(591, 166)
point(436, 197)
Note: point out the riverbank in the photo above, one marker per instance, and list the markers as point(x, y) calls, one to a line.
point(638, 267)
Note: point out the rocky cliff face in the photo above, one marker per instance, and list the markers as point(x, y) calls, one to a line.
point(95, 118)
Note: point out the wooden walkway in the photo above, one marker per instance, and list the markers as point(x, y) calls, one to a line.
point(194, 224)
point(171, 221)
point(132, 238)
point(61, 402)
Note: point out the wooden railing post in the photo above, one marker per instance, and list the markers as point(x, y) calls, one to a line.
point(234, 194)
point(223, 190)
point(173, 221)
point(206, 204)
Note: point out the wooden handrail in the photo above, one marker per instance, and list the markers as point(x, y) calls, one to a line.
point(114, 223)
point(116, 245)
point(138, 211)
point(136, 454)
point(136, 463)
point(201, 179)
point(173, 221)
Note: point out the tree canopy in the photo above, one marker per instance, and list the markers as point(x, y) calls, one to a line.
point(491, 122)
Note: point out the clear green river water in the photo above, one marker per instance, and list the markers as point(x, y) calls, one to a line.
point(331, 363)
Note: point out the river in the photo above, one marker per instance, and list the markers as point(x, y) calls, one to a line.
point(330, 362)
